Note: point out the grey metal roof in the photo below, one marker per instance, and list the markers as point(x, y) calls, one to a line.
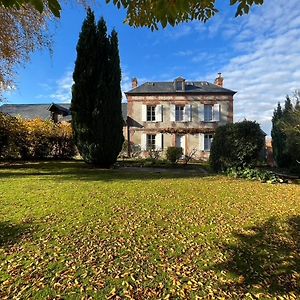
point(193, 87)
point(33, 111)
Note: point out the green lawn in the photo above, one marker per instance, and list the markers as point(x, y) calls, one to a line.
point(71, 232)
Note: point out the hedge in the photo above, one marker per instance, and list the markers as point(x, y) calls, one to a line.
point(34, 139)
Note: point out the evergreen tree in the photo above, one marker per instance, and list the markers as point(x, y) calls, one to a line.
point(297, 105)
point(237, 145)
point(288, 106)
point(278, 137)
point(83, 90)
point(116, 137)
point(96, 98)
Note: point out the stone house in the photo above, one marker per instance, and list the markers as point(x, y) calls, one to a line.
point(179, 113)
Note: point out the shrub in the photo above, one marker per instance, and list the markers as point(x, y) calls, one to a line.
point(135, 150)
point(62, 141)
point(40, 138)
point(34, 139)
point(173, 154)
point(236, 145)
point(254, 174)
point(12, 136)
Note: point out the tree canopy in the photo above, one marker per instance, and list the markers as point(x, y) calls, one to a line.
point(151, 13)
point(39, 5)
point(286, 134)
point(22, 31)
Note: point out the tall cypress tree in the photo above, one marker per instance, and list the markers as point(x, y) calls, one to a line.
point(115, 94)
point(83, 90)
point(277, 136)
point(96, 106)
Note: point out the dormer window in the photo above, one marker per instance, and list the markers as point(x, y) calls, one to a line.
point(179, 84)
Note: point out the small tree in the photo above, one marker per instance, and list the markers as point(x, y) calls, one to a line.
point(236, 145)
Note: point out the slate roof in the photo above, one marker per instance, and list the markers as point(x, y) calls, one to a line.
point(27, 111)
point(33, 111)
point(195, 87)
point(124, 111)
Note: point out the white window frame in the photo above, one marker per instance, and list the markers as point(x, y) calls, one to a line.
point(180, 114)
point(151, 117)
point(152, 139)
point(209, 118)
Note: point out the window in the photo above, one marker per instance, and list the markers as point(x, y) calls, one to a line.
point(179, 113)
point(151, 142)
point(207, 141)
point(179, 85)
point(150, 113)
point(208, 113)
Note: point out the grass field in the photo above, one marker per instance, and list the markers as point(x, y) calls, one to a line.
point(71, 232)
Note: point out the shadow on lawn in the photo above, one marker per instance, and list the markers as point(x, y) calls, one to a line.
point(73, 170)
point(12, 233)
point(266, 257)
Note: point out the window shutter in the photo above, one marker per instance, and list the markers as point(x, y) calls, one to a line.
point(190, 112)
point(201, 141)
point(144, 142)
point(217, 111)
point(172, 112)
point(158, 141)
point(144, 113)
point(158, 113)
point(187, 113)
point(201, 112)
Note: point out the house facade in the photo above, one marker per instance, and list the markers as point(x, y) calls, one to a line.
point(179, 113)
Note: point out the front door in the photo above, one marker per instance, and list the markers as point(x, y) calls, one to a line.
point(180, 142)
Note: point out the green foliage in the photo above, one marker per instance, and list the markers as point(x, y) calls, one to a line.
point(236, 145)
point(96, 94)
point(278, 137)
point(152, 13)
point(286, 136)
point(39, 5)
point(255, 174)
point(173, 154)
point(34, 139)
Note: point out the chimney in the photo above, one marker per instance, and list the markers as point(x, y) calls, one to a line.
point(134, 83)
point(219, 80)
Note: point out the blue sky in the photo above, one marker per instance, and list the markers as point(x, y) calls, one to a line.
point(258, 54)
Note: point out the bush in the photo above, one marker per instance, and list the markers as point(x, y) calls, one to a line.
point(173, 154)
point(237, 145)
point(135, 150)
point(34, 139)
point(62, 141)
point(12, 137)
point(254, 174)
